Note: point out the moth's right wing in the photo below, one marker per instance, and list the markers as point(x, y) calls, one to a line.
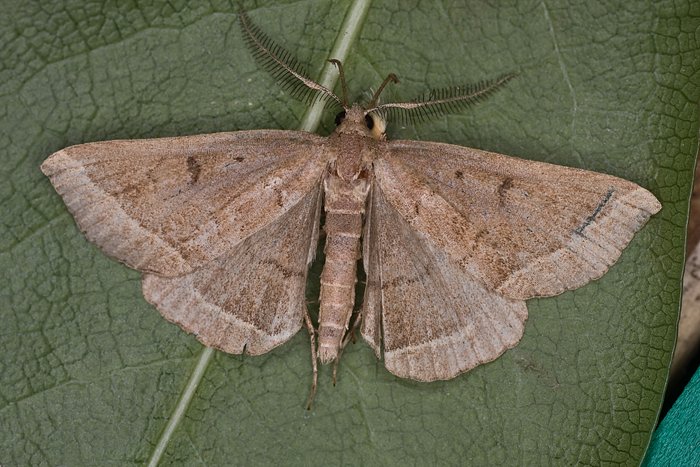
point(171, 205)
point(252, 299)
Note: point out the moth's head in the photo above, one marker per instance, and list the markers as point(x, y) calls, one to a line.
point(357, 120)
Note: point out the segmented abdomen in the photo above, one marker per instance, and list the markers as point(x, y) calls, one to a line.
point(345, 205)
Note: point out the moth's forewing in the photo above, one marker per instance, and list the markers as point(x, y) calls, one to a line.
point(522, 228)
point(170, 205)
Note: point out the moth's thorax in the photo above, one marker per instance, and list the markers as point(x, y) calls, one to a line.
point(346, 195)
point(355, 145)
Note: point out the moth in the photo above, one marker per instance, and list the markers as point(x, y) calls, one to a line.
point(453, 240)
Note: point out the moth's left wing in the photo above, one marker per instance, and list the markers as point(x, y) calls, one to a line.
point(428, 318)
point(251, 299)
point(522, 228)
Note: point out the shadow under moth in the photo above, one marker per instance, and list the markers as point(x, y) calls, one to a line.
point(453, 240)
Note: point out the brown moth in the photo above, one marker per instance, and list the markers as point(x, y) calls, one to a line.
point(453, 240)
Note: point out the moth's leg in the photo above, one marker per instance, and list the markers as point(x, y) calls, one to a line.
point(352, 336)
point(349, 336)
point(314, 359)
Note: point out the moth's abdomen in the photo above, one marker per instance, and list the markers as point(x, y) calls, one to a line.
point(345, 204)
point(337, 286)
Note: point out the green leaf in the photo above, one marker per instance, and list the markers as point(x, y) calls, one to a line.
point(91, 374)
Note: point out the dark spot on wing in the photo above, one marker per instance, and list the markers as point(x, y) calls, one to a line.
point(194, 169)
point(280, 200)
point(480, 235)
point(397, 281)
point(506, 185)
point(235, 159)
point(596, 212)
point(459, 174)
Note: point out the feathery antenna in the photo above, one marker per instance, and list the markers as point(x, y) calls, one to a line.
point(391, 78)
point(343, 85)
point(438, 102)
point(293, 77)
point(286, 69)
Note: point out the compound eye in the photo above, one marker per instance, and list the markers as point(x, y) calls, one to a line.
point(339, 118)
point(376, 125)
